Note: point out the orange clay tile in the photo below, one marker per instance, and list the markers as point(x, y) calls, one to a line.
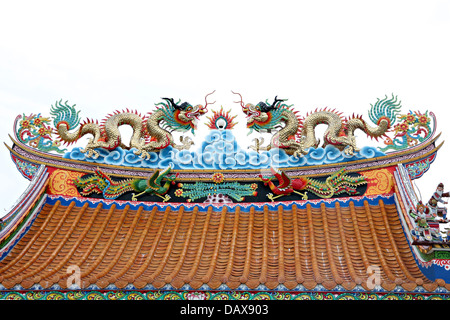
point(309, 246)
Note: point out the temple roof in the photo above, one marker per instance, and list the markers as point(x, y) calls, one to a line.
point(338, 218)
point(147, 247)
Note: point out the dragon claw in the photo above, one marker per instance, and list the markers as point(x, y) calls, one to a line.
point(143, 154)
point(90, 153)
point(297, 154)
point(349, 151)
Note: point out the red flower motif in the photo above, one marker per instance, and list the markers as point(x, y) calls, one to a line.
point(25, 123)
point(403, 127)
point(423, 119)
point(218, 177)
point(410, 118)
point(37, 122)
point(43, 131)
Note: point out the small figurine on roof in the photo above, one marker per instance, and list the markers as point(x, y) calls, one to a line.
point(422, 231)
point(422, 214)
point(437, 197)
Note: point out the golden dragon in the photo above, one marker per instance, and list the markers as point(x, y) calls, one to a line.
point(149, 132)
point(297, 134)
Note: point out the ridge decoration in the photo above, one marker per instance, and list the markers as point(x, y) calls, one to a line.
point(221, 120)
point(298, 133)
point(101, 183)
point(27, 169)
point(150, 132)
point(414, 128)
point(34, 130)
point(237, 191)
point(337, 183)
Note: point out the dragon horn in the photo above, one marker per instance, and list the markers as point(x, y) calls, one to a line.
point(172, 103)
point(275, 102)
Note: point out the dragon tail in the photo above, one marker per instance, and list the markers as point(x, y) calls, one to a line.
point(65, 113)
point(66, 117)
point(384, 114)
point(385, 109)
point(101, 183)
point(339, 182)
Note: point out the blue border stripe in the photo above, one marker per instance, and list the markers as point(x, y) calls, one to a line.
point(244, 207)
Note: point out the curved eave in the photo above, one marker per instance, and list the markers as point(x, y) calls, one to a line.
point(406, 156)
point(15, 223)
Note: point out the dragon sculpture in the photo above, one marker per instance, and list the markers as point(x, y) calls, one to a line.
point(149, 132)
point(298, 134)
point(337, 183)
point(101, 183)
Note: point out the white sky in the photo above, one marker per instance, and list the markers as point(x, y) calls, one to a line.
point(107, 55)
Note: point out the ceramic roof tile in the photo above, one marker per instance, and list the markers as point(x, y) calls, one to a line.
point(328, 245)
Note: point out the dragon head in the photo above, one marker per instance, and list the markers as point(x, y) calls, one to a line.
point(254, 114)
point(183, 117)
point(261, 115)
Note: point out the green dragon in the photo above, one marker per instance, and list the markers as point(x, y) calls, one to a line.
point(101, 183)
